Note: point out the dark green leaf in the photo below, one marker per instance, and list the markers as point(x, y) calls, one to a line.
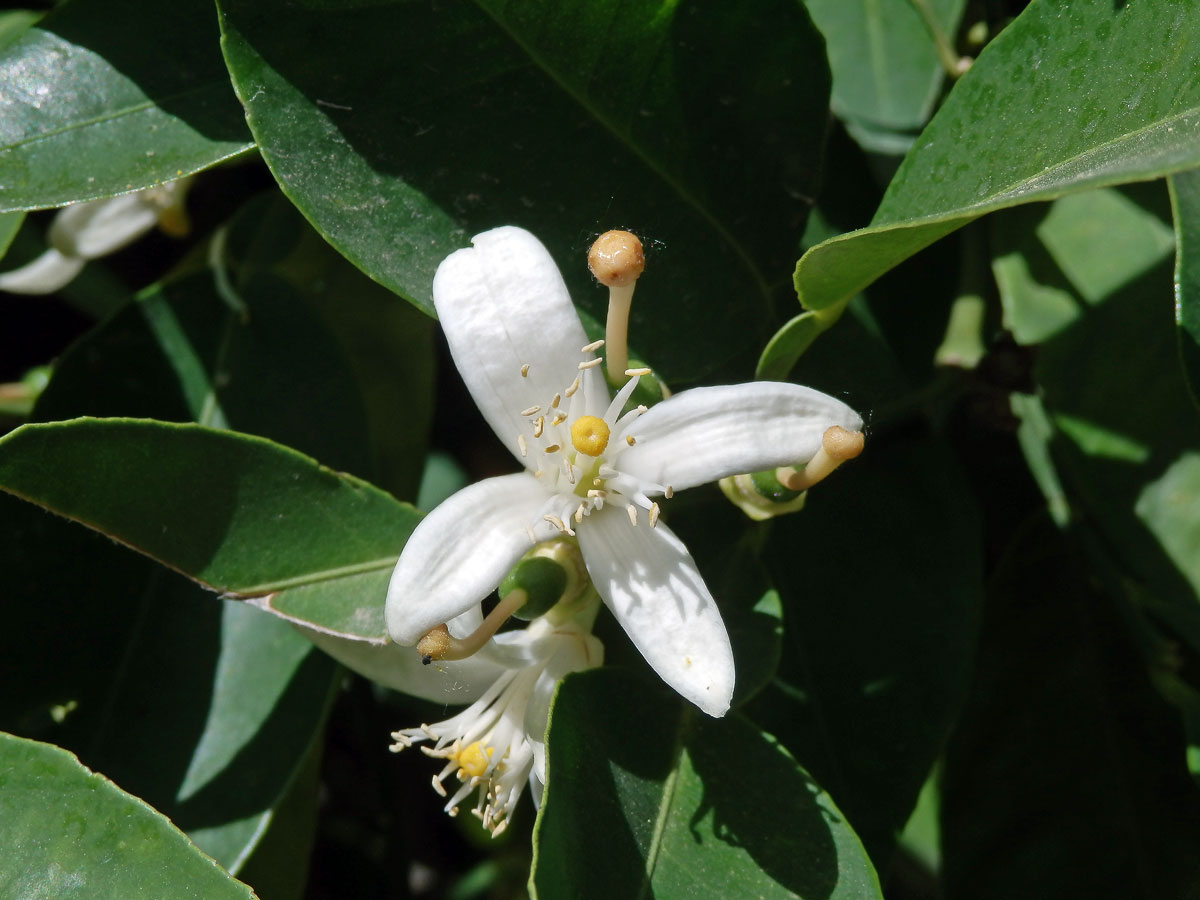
point(881, 579)
point(680, 805)
point(886, 72)
point(1066, 776)
point(157, 103)
point(1109, 104)
point(400, 129)
point(68, 832)
point(235, 512)
point(1185, 201)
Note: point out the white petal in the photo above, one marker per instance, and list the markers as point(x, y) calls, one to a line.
point(503, 305)
point(705, 434)
point(459, 552)
point(652, 585)
point(48, 273)
point(99, 227)
point(401, 669)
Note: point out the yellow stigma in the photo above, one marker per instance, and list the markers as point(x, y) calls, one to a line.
point(589, 435)
point(473, 759)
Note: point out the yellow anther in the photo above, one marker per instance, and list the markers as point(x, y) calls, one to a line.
point(630, 440)
point(525, 370)
point(538, 424)
point(589, 435)
point(473, 759)
point(553, 448)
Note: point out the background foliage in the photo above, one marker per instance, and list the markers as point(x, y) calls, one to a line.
point(968, 668)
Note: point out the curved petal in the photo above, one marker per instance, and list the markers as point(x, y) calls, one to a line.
point(48, 273)
point(503, 305)
point(99, 227)
point(400, 668)
point(705, 434)
point(652, 585)
point(459, 552)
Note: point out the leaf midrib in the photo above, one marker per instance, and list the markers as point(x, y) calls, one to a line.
point(665, 803)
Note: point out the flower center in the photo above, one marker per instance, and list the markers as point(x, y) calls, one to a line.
point(473, 760)
point(589, 435)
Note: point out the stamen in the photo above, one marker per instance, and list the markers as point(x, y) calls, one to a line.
point(440, 644)
point(557, 400)
point(579, 514)
point(538, 424)
point(630, 440)
point(669, 492)
point(632, 372)
point(632, 510)
point(597, 493)
point(653, 514)
point(555, 521)
point(616, 259)
point(570, 391)
point(568, 470)
point(642, 409)
point(553, 448)
point(531, 411)
point(590, 363)
point(522, 445)
point(525, 370)
point(619, 401)
point(592, 347)
point(837, 446)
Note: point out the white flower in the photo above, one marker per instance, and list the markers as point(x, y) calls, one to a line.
point(498, 743)
point(84, 231)
point(589, 470)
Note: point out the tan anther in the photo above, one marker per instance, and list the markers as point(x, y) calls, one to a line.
point(435, 644)
point(523, 445)
point(654, 512)
point(632, 372)
point(837, 446)
point(669, 492)
point(531, 411)
point(557, 400)
point(629, 439)
point(590, 363)
point(592, 347)
point(616, 258)
point(553, 448)
point(525, 370)
point(559, 419)
point(570, 391)
point(632, 511)
point(538, 424)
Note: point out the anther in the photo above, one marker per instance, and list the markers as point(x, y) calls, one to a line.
point(669, 492)
point(654, 512)
point(590, 363)
point(439, 643)
point(559, 419)
point(837, 446)
point(632, 510)
point(531, 411)
point(525, 370)
point(629, 439)
point(632, 372)
point(523, 445)
point(538, 424)
point(570, 391)
point(553, 448)
point(557, 400)
point(592, 347)
point(617, 260)
point(555, 521)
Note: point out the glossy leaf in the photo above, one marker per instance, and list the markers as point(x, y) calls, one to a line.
point(157, 105)
point(1053, 262)
point(881, 580)
point(401, 129)
point(1106, 106)
point(1066, 776)
point(237, 513)
point(886, 73)
point(1185, 202)
point(669, 812)
point(69, 832)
